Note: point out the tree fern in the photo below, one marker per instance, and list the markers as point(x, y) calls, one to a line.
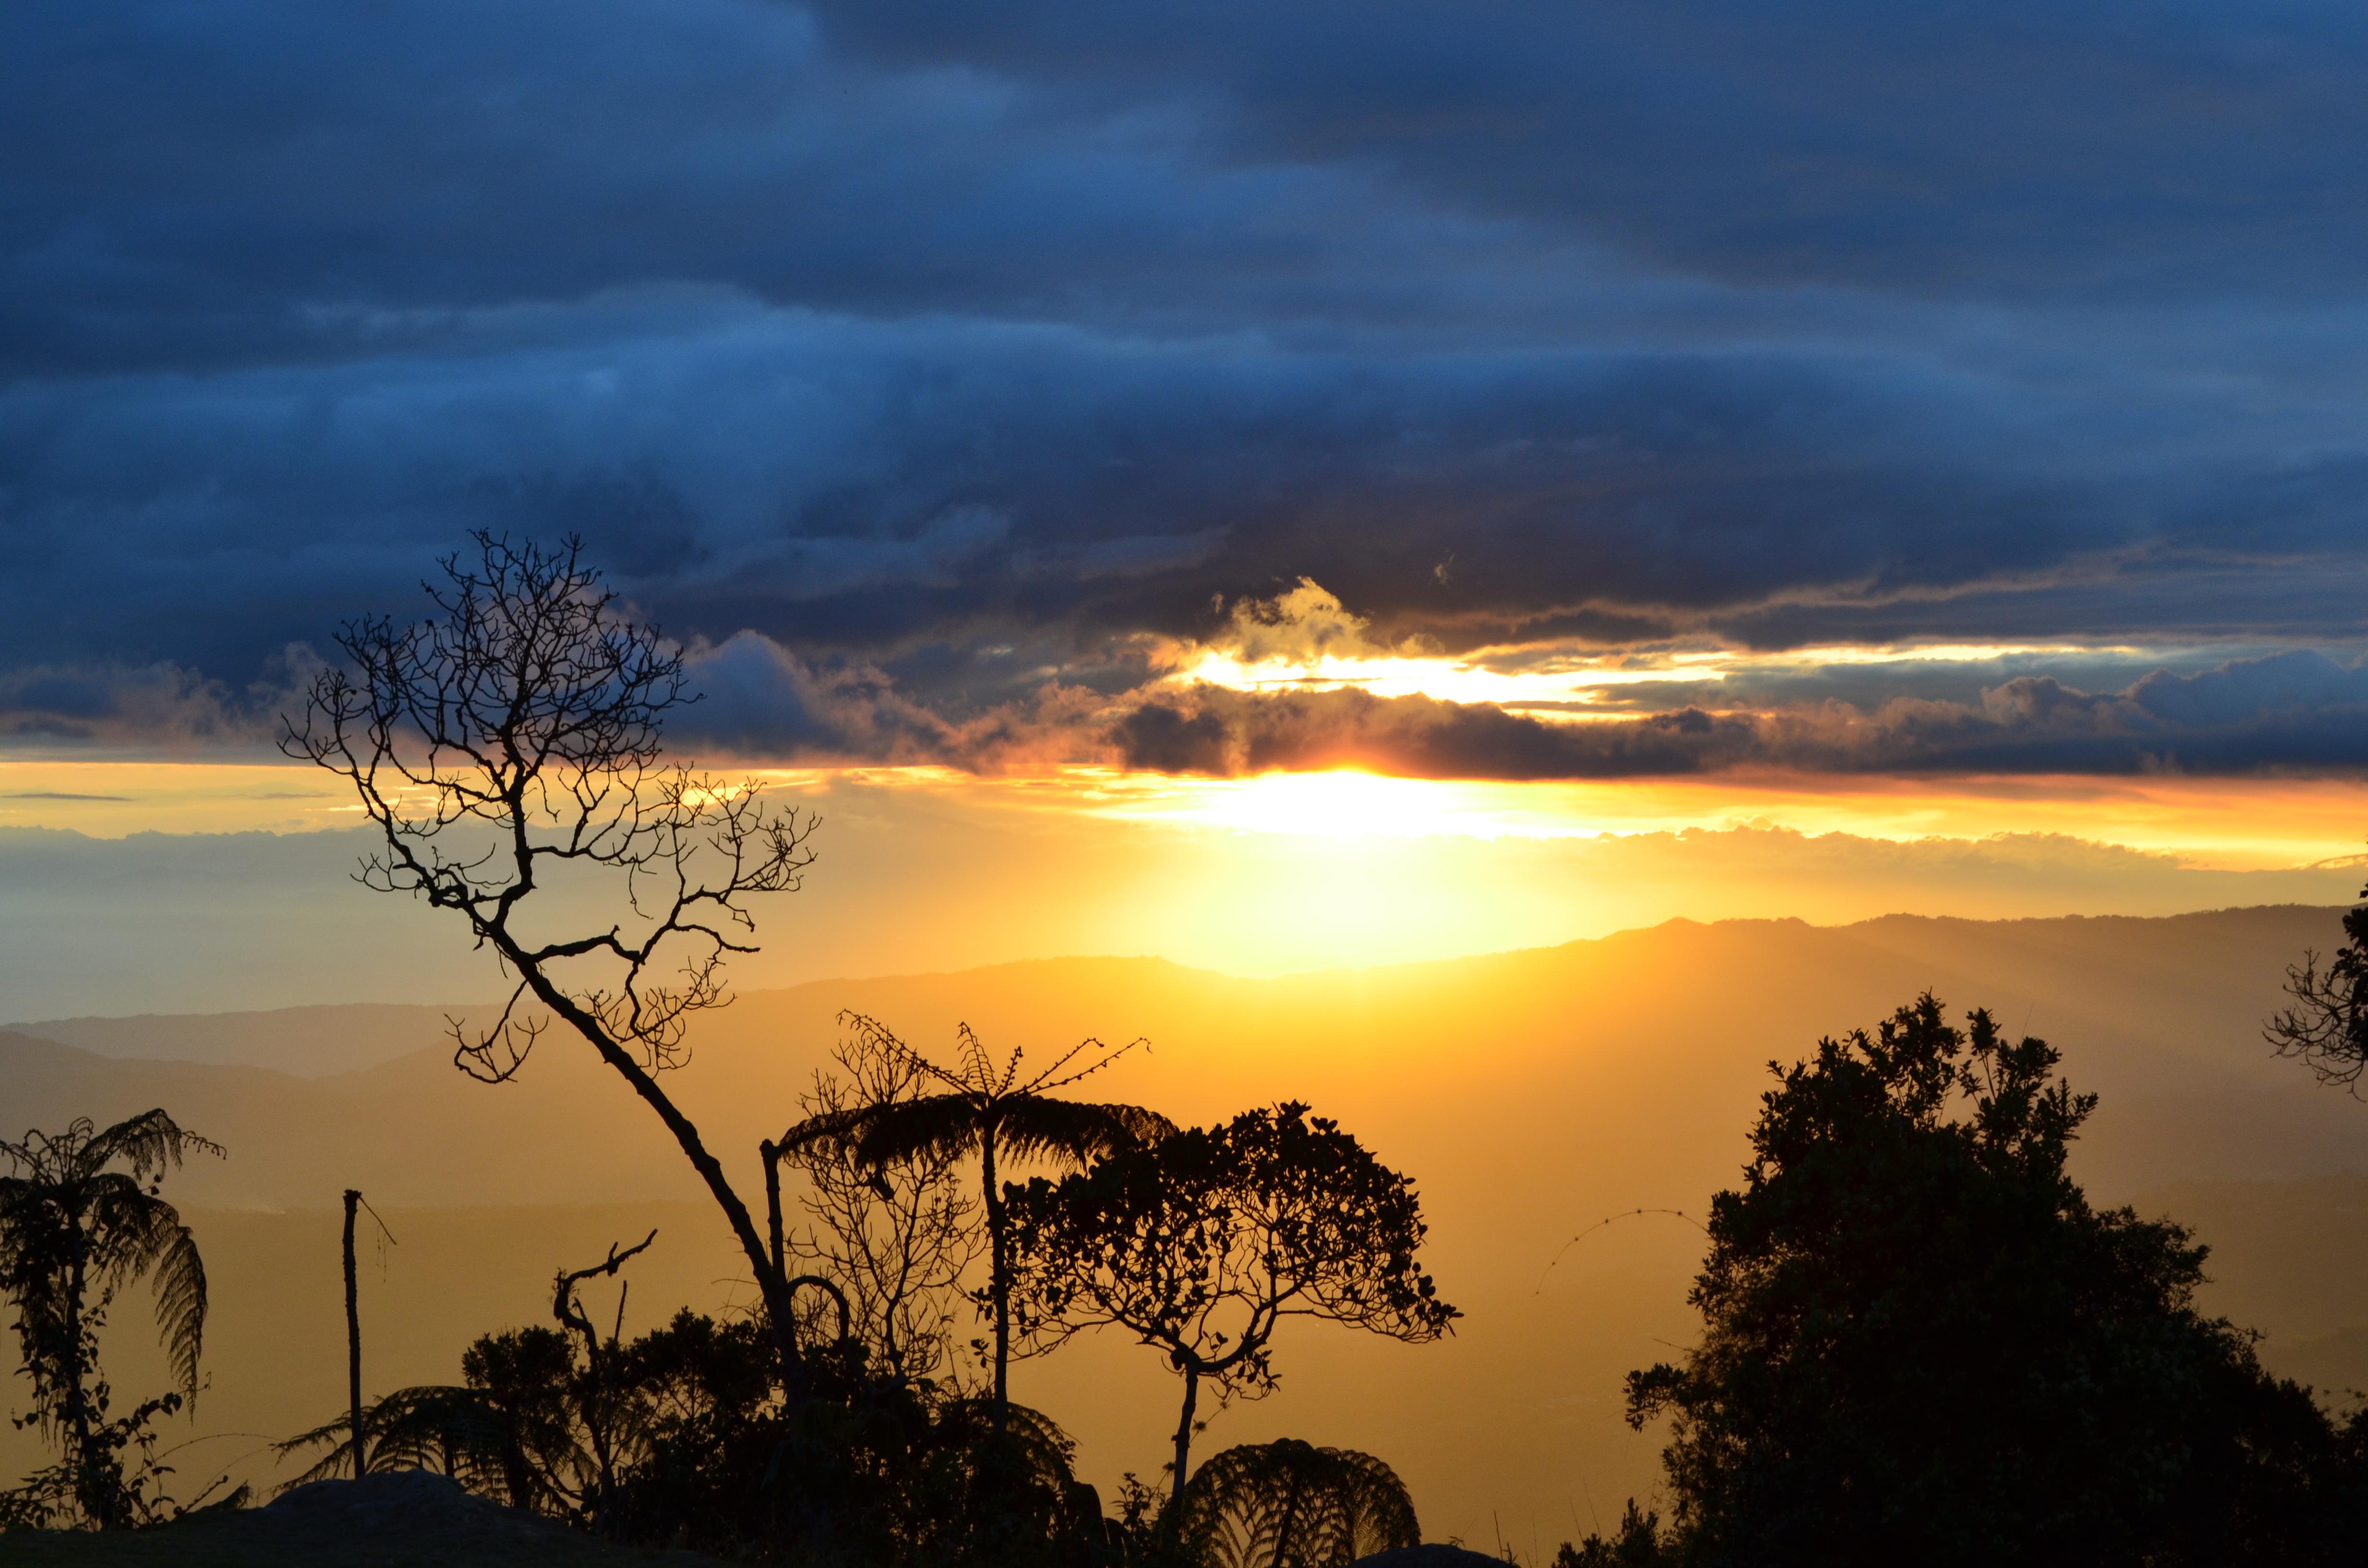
point(1291, 1505)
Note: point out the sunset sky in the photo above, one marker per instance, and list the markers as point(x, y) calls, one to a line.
point(1273, 488)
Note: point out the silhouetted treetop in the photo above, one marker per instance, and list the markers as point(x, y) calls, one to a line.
point(513, 739)
point(1202, 1243)
point(1922, 1344)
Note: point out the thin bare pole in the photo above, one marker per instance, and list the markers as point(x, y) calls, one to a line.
point(353, 1331)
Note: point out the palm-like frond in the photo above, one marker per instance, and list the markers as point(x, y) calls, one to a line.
point(1045, 1454)
point(939, 1126)
point(134, 1232)
point(1035, 1127)
point(978, 1071)
point(1288, 1503)
point(63, 1202)
point(151, 1142)
point(179, 1281)
point(834, 1130)
point(445, 1429)
point(948, 1126)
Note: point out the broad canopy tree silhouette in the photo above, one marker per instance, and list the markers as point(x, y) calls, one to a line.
point(1203, 1243)
point(80, 1216)
point(510, 745)
point(986, 1107)
point(1922, 1345)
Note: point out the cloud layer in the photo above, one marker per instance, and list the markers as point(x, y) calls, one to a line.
point(928, 364)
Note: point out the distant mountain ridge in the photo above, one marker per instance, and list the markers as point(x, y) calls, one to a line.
point(1668, 1028)
point(320, 1040)
point(309, 1042)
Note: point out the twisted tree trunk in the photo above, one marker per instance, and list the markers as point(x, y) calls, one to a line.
point(1191, 1371)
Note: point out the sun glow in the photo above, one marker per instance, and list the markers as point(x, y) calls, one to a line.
point(2239, 823)
point(1565, 683)
point(1277, 872)
point(1343, 804)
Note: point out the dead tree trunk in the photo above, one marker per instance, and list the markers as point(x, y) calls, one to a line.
point(354, 1332)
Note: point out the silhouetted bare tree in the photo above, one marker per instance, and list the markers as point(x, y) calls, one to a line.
point(509, 746)
point(985, 1107)
point(80, 1218)
point(2328, 1024)
point(1203, 1243)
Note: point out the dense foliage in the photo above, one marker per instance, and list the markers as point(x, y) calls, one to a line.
point(705, 1451)
point(883, 1454)
point(1923, 1345)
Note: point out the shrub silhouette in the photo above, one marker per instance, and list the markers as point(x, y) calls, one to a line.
point(681, 1436)
point(1638, 1544)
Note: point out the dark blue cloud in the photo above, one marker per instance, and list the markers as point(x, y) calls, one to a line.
point(2014, 150)
point(949, 349)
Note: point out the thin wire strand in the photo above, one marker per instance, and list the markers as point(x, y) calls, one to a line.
point(1607, 1220)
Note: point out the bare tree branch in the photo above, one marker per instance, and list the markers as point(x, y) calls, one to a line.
point(511, 743)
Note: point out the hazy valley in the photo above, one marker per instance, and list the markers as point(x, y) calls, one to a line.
point(1529, 1094)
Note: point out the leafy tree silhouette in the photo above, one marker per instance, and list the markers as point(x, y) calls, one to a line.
point(80, 1218)
point(987, 1108)
point(511, 743)
point(1291, 1505)
point(1922, 1345)
point(1202, 1244)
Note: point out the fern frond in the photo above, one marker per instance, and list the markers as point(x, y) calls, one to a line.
point(180, 1282)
